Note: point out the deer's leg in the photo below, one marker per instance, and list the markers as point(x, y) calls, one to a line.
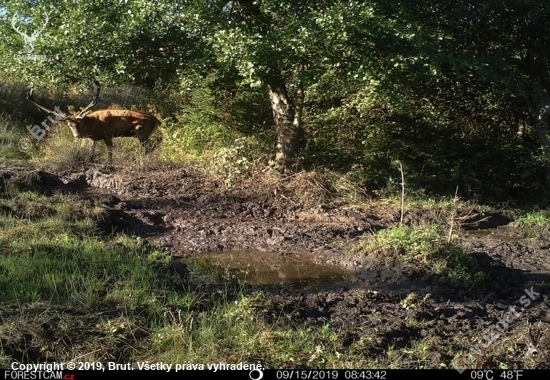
point(146, 145)
point(109, 143)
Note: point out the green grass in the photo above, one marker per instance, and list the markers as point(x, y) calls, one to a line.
point(427, 246)
point(52, 259)
point(68, 292)
point(534, 219)
point(233, 331)
point(50, 252)
point(12, 134)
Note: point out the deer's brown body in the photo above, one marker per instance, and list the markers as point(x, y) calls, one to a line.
point(108, 124)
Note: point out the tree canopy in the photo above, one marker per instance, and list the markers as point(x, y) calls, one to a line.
point(339, 76)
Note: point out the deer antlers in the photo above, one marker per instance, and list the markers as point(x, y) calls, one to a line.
point(57, 112)
point(92, 103)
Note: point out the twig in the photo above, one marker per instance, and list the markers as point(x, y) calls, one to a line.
point(400, 168)
point(453, 216)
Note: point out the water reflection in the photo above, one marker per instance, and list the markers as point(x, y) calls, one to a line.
point(267, 269)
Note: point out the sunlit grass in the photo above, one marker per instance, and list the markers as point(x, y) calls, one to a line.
point(426, 245)
point(534, 219)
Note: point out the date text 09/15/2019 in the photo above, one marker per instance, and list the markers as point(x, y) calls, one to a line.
point(331, 375)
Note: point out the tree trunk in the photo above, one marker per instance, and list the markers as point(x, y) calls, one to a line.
point(542, 114)
point(287, 122)
point(299, 107)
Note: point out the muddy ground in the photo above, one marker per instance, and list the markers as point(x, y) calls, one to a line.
point(190, 215)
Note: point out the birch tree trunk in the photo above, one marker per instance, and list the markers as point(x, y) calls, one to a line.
point(287, 122)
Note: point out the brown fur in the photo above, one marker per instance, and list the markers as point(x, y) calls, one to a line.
point(108, 124)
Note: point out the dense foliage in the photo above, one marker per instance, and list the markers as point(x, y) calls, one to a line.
point(458, 93)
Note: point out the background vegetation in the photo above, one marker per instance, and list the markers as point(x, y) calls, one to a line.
point(459, 95)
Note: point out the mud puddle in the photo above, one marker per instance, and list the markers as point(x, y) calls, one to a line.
point(258, 268)
point(502, 234)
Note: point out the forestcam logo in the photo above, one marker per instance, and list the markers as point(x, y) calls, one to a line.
point(29, 40)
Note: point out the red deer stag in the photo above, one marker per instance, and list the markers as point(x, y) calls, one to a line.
point(107, 124)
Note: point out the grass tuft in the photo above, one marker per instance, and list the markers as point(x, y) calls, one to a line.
point(534, 219)
point(426, 246)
